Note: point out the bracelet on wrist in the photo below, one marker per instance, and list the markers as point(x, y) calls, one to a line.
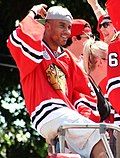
point(33, 12)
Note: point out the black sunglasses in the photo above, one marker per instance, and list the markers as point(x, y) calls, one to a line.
point(105, 24)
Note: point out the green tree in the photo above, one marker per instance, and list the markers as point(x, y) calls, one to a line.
point(16, 135)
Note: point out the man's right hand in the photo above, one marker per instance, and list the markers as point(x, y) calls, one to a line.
point(40, 10)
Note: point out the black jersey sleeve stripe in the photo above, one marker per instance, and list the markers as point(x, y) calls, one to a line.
point(44, 106)
point(45, 114)
point(113, 83)
point(85, 103)
point(26, 49)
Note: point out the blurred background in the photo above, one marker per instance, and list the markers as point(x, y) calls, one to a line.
point(17, 138)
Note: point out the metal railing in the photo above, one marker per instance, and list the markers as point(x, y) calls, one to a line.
point(102, 129)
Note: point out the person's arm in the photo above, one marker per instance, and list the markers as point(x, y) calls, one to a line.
point(30, 26)
point(98, 10)
point(22, 42)
point(83, 98)
point(87, 106)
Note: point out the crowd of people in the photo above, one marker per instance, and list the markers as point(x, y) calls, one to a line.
point(59, 62)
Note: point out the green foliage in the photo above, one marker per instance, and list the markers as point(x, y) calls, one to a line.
point(17, 138)
point(16, 134)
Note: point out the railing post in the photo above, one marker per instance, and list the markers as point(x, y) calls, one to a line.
point(61, 135)
point(105, 141)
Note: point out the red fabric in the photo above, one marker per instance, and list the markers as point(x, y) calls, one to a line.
point(38, 67)
point(78, 27)
point(113, 7)
point(102, 85)
point(87, 113)
point(113, 86)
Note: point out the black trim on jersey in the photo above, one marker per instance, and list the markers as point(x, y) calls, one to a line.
point(87, 104)
point(26, 49)
point(113, 83)
point(44, 106)
point(46, 113)
point(117, 119)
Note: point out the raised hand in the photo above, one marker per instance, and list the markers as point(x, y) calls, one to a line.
point(40, 10)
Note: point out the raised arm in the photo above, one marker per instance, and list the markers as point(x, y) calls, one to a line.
point(38, 10)
point(30, 22)
point(22, 40)
point(98, 10)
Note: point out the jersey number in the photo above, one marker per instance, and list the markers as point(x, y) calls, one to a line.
point(113, 60)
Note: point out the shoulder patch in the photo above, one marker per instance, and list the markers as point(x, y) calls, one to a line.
point(46, 55)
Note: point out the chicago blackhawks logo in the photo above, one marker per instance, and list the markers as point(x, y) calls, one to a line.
point(56, 78)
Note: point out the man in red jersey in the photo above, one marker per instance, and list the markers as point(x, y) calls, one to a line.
point(108, 27)
point(52, 82)
point(113, 86)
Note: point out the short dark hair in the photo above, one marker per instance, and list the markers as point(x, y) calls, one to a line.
point(69, 41)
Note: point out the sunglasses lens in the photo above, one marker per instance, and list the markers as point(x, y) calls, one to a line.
point(105, 25)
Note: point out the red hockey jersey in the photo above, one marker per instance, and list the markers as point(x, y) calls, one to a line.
point(113, 84)
point(113, 7)
point(50, 80)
